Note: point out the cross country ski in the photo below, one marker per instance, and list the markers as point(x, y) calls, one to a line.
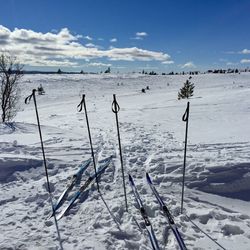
point(167, 214)
point(144, 215)
point(74, 180)
point(105, 163)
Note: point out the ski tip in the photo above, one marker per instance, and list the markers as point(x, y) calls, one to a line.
point(148, 178)
point(105, 160)
point(50, 216)
point(59, 216)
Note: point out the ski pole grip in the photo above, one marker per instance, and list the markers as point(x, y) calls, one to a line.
point(79, 107)
point(115, 105)
point(186, 114)
point(28, 98)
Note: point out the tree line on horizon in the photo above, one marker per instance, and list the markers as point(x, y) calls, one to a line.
point(144, 72)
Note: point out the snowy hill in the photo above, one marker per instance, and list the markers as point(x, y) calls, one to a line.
point(217, 192)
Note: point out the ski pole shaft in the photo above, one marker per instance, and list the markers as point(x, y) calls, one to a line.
point(185, 118)
point(115, 109)
point(83, 102)
point(111, 214)
point(27, 100)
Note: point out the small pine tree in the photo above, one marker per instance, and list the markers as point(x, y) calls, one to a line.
point(107, 71)
point(40, 90)
point(186, 91)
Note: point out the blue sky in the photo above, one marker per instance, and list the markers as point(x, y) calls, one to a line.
point(127, 35)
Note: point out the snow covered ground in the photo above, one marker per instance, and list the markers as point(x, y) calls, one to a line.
point(217, 190)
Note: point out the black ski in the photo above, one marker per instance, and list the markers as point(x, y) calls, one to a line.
point(144, 215)
point(167, 214)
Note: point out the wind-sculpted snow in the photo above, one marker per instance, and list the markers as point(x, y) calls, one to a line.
point(152, 133)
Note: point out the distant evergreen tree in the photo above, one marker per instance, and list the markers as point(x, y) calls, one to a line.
point(186, 91)
point(40, 90)
point(59, 71)
point(107, 71)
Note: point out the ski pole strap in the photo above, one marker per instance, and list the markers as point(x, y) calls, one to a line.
point(186, 114)
point(28, 98)
point(79, 107)
point(115, 105)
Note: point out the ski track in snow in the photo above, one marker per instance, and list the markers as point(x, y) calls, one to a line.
point(217, 178)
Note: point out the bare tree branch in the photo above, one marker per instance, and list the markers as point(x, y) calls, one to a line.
point(10, 74)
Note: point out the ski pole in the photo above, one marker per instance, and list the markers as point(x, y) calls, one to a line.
point(116, 109)
point(185, 118)
point(27, 101)
point(83, 102)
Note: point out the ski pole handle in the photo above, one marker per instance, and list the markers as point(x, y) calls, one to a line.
point(28, 98)
point(115, 105)
point(79, 107)
point(186, 114)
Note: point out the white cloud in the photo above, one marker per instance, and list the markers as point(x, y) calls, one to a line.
point(134, 53)
point(231, 64)
point(188, 65)
point(113, 40)
point(54, 30)
point(167, 62)
point(245, 51)
point(136, 38)
point(227, 62)
point(54, 63)
point(36, 48)
point(141, 34)
point(91, 45)
point(245, 61)
point(88, 38)
point(98, 64)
